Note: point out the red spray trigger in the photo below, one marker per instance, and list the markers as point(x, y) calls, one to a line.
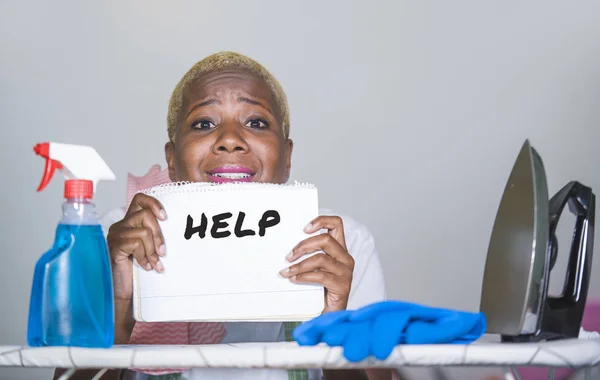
point(43, 150)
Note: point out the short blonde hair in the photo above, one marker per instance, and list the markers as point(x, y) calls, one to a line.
point(227, 61)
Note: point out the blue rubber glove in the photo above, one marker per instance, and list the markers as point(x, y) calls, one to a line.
point(377, 328)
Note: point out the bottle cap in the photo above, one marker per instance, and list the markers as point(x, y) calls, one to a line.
point(79, 189)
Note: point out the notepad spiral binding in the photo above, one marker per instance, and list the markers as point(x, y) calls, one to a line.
point(196, 187)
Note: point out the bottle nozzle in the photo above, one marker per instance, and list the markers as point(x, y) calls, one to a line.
point(77, 162)
point(42, 149)
point(51, 165)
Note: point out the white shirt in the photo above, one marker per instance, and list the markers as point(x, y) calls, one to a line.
point(367, 287)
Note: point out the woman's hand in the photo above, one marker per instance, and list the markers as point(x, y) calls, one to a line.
point(137, 236)
point(333, 269)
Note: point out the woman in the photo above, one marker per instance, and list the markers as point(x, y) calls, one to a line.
point(228, 114)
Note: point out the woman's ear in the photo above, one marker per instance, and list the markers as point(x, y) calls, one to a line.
point(288, 158)
point(170, 157)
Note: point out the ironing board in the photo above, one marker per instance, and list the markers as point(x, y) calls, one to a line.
point(575, 353)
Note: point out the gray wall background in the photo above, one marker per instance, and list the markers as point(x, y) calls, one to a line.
point(407, 114)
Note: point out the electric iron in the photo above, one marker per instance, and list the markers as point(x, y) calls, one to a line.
point(523, 250)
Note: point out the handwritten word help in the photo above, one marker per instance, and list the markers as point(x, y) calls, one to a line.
point(270, 218)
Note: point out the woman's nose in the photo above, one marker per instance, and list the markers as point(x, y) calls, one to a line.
point(230, 139)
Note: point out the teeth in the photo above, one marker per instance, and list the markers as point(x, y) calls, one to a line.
point(232, 175)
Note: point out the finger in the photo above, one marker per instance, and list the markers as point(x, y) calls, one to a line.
point(149, 253)
point(333, 224)
point(145, 218)
point(146, 253)
point(320, 262)
point(333, 284)
point(133, 247)
point(142, 201)
point(325, 243)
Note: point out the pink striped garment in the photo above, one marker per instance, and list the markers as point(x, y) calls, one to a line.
point(172, 333)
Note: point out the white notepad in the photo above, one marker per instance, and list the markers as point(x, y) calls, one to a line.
point(229, 271)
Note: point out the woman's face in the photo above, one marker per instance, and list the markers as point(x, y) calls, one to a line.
point(229, 130)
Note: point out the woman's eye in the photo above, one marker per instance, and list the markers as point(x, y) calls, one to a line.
point(257, 124)
point(203, 124)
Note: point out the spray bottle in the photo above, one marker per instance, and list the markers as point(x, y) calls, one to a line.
point(72, 301)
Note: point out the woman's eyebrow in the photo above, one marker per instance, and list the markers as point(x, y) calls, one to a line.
point(202, 104)
point(254, 102)
point(216, 101)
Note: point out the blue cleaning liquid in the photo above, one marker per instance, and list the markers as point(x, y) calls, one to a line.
point(72, 294)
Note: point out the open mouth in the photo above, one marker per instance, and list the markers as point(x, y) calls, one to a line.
point(231, 174)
